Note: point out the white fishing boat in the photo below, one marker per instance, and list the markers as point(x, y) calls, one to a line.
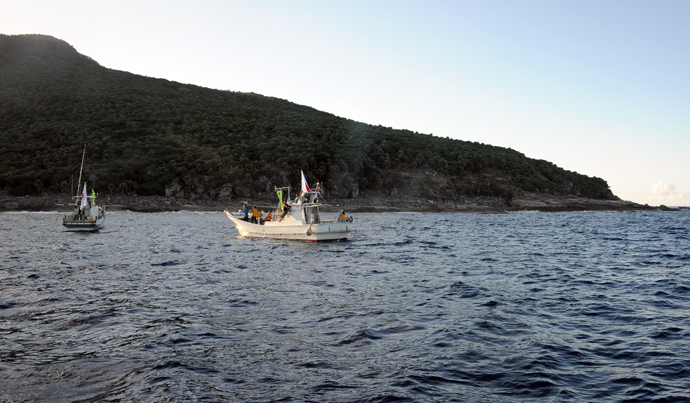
point(297, 220)
point(86, 216)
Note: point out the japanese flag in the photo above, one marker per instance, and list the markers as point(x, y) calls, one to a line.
point(305, 187)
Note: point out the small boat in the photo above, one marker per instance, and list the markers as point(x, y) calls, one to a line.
point(87, 216)
point(297, 220)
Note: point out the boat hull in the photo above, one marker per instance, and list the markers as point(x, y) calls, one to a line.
point(83, 225)
point(334, 231)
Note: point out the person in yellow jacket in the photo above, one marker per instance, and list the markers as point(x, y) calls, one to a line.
point(256, 214)
point(342, 216)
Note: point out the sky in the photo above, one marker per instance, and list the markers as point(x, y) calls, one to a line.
point(597, 87)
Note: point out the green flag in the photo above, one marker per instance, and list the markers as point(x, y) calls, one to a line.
point(280, 199)
point(93, 193)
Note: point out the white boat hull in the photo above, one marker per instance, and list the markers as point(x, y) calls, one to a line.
point(329, 231)
point(83, 225)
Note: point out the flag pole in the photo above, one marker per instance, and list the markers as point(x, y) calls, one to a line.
point(80, 169)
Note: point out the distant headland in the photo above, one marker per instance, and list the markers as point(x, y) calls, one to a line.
point(173, 146)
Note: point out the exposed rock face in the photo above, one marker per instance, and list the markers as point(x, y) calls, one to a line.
point(344, 187)
point(545, 201)
point(266, 184)
point(364, 203)
point(203, 185)
point(174, 189)
point(354, 191)
point(243, 192)
point(225, 192)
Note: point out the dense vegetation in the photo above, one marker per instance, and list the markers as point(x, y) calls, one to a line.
point(142, 133)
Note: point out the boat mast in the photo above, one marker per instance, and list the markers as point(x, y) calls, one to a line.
point(80, 169)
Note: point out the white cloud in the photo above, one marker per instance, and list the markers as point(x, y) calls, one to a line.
point(664, 192)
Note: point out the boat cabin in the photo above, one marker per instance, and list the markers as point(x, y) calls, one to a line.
point(305, 207)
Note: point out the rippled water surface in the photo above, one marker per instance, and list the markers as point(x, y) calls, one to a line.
point(174, 307)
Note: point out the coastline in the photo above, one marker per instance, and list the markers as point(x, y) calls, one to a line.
point(525, 201)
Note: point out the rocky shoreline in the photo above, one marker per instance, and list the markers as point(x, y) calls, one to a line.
point(530, 201)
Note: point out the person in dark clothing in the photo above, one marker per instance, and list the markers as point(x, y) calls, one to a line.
point(286, 209)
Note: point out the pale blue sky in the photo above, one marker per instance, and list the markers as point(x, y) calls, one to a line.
point(597, 87)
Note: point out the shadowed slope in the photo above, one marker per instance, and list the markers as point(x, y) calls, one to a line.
point(143, 134)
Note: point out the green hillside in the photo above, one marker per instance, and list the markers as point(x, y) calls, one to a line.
point(143, 133)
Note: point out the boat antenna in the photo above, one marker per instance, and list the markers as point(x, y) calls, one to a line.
point(80, 169)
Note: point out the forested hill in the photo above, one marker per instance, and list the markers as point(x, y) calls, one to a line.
point(144, 134)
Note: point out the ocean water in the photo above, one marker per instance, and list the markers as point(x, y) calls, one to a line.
point(175, 307)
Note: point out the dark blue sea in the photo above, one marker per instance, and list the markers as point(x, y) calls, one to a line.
point(175, 307)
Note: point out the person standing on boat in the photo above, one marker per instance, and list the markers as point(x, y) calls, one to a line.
point(286, 209)
point(256, 215)
point(246, 213)
point(342, 216)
